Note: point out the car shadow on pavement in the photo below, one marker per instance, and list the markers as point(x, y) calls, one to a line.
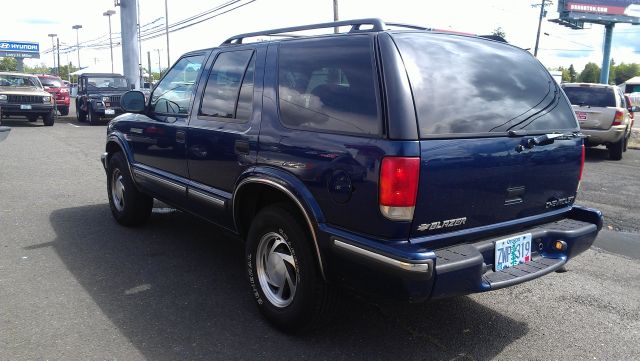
point(176, 288)
point(596, 154)
point(21, 123)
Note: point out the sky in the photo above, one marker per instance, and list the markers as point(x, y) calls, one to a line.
point(560, 46)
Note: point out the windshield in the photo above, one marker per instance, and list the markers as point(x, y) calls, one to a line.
point(107, 83)
point(52, 82)
point(19, 81)
point(591, 96)
point(467, 85)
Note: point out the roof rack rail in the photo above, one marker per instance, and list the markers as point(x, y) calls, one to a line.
point(357, 25)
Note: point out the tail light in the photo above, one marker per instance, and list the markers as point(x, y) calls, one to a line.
point(581, 163)
point(618, 118)
point(399, 187)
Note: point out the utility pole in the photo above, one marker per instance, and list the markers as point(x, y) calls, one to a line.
point(335, 15)
point(58, 42)
point(166, 30)
point(543, 13)
point(129, 37)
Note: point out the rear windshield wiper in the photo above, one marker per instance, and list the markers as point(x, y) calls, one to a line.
point(544, 139)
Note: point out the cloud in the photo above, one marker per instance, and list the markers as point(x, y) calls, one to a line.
point(573, 54)
point(39, 21)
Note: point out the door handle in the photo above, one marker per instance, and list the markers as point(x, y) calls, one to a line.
point(241, 147)
point(180, 136)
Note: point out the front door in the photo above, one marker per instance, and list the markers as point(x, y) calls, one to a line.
point(158, 137)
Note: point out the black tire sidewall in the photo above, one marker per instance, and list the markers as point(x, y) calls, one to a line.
point(281, 220)
point(616, 149)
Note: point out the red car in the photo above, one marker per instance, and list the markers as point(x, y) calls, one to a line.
point(58, 90)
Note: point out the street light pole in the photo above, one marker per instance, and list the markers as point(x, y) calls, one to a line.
point(77, 29)
point(53, 50)
point(159, 65)
point(108, 14)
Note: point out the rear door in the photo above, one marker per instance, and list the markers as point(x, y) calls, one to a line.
point(595, 105)
point(478, 104)
point(223, 129)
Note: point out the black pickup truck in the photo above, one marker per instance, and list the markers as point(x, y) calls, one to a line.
point(99, 96)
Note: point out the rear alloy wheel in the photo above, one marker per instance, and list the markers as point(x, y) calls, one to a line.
point(283, 272)
point(49, 118)
point(615, 149)
point(129, 206)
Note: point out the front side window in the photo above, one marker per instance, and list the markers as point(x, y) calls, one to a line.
point(329, 85)
point(173, 94)
point(229, 90)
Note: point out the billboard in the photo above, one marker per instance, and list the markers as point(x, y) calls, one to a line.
point(601, 11)
point(19, 49)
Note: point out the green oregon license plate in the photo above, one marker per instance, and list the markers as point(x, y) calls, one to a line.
point(512, 251)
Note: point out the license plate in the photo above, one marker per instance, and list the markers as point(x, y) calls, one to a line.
point(512, 251)
point(582, 116)
point(25, 106)
point(109, 111)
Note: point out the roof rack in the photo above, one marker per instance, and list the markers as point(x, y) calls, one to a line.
point(356, 26)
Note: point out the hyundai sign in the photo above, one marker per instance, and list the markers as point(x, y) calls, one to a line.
point(19, 49)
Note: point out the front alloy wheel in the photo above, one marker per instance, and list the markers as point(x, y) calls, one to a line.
point(117, 190)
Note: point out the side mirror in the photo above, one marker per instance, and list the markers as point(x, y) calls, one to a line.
point(133, 101)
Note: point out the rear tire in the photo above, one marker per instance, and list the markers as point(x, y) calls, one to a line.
point(49, 118)
point(81, 115)
point(615, 149)
point(283, 271)
point(129, 206)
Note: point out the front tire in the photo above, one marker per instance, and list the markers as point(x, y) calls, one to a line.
point(49, 118)
point(129, 206)
point(282, 270)
point(63, 110)
point(93, 116)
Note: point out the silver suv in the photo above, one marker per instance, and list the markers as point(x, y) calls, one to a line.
point(603, 114)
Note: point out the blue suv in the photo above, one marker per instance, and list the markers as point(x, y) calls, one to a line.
point(405, 163)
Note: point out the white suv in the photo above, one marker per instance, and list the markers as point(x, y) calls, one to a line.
point(603, 114)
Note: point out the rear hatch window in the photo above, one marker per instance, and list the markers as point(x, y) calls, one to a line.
point(486, 87)
point(591, 96)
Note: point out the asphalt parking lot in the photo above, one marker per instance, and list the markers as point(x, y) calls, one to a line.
point(76, 286)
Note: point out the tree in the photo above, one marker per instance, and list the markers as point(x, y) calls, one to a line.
point(625, 72)
point(8, 64)
point(590, 73)
point(499, 32)
point(573, 76)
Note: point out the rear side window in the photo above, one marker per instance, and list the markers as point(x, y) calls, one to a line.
point(591, 96)
point(465, 85)
point(328, 85)
point(229, 91)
